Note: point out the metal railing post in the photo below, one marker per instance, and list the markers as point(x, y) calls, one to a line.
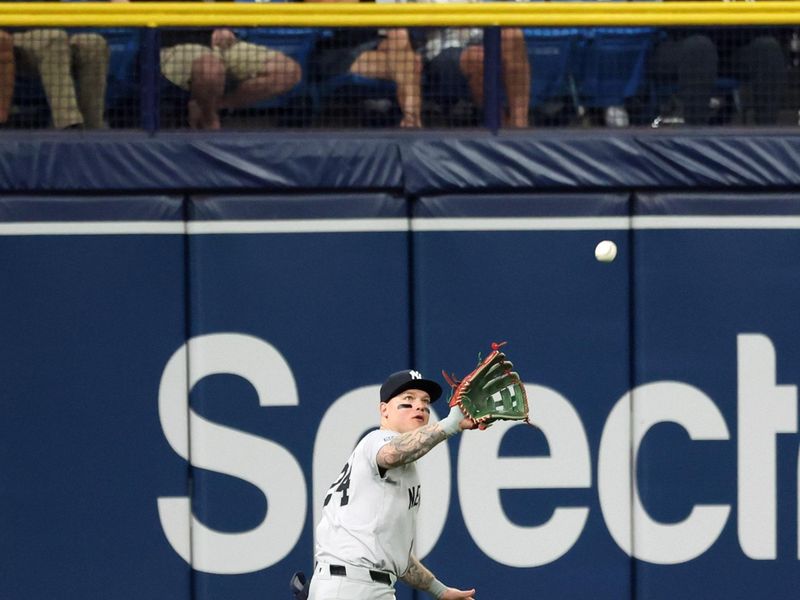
point(149, 71)
point(492, 78)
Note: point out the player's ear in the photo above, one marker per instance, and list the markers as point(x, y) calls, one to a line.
point(383, 408)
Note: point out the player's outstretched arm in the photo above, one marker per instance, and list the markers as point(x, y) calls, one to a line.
point(419, 577)
point(409, 446)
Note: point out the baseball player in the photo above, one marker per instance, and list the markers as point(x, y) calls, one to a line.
point(365, 539)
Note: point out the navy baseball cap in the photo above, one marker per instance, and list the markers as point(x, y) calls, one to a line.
point(409, 380)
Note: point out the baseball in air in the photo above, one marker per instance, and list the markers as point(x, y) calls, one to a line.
point(606, 251)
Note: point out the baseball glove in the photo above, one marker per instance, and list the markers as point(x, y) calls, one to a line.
point(491, 392)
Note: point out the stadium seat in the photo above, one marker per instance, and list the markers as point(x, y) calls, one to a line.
point(727, 99)
point(123, 74)
point(612, 63)
point(124, 89)
point(551, 55)
point(29, 108)
point(349, 97)
point(726, 103)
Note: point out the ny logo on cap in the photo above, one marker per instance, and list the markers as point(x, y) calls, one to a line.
point(415, 374)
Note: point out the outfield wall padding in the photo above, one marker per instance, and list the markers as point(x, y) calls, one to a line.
point(185, 368)
point(409, 162)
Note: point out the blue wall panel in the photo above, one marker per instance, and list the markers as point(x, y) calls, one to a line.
point(716, 293)
point(88, 324)
point(326, 291)
point(522, 269)
point(284, 312)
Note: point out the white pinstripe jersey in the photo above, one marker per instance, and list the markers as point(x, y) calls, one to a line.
point(369, 520)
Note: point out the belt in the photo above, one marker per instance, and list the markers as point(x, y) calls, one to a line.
point(354, 572)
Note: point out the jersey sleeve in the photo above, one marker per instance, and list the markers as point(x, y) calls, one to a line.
point(372, 443)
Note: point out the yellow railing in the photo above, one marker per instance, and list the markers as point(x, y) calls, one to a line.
point(534, 14)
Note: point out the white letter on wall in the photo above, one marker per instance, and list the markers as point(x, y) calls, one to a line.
point(482, 474)
point(650, 540)
point(765, 410)
point(265, 464)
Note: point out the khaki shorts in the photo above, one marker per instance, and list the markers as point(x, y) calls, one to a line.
point(242, 61)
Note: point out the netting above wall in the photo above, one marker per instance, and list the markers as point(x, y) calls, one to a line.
point(323, 66)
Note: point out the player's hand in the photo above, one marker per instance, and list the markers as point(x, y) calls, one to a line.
point(467, 423)
point(454, 594)
point(223, 39)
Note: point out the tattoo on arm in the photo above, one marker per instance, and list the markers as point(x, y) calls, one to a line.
point(409, 446)
point(417, 575)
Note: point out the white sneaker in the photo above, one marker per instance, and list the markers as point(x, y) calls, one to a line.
point(616, 116)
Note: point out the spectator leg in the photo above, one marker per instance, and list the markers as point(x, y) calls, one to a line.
point(471, 63)
point(516, 77)
point(395, 60)
point(90, 56)
point(47, 51)
point(6, 75)
point(207, 86)
point(693, 61)
point(697, 71)
point(263, 73)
